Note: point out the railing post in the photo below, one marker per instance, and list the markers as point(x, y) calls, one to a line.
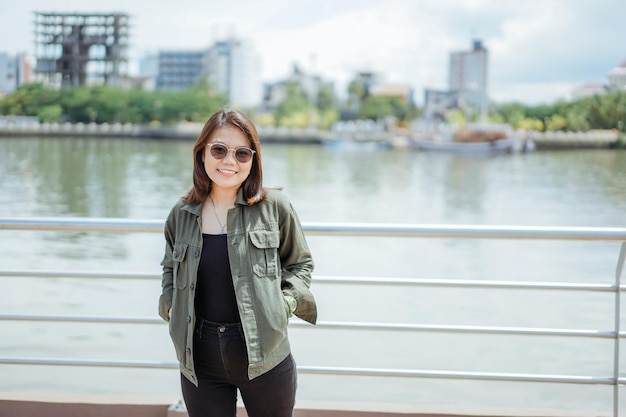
point(616, 363)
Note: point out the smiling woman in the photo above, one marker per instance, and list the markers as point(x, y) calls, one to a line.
point(236, 267)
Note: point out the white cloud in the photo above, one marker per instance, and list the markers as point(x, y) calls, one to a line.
point(538, 48)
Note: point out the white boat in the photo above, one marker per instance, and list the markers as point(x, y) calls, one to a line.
point(474, 138)
point(498, 145)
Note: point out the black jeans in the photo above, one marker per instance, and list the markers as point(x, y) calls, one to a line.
point(221, 363)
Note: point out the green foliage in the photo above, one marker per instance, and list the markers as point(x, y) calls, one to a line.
point(456, 117)
point(28, 99)
point(326, 100)
point(606, 111)
point(357, 89)
point(102, 104)
point(376, 107)
point(530, 123)
point(556, 123)
point(76, 104)
point(511, 113)
point(50, 114)
point(294, 109)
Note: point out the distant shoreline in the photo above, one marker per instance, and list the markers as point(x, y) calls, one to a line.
point(190, 131)
point(182, 131)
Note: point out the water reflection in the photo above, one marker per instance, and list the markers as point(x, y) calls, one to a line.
point(143, 179)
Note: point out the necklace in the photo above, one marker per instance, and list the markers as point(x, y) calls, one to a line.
point(222, 227)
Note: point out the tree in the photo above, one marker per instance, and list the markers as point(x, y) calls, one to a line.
point(77, 105)
point(327, 106)
point(357, 89)
point(376, 107)
point(27, 100)
point(511, 113)
point(108, 104)
point(556, 123)
point(50, 114)
point(295, 109)
point(456, 117)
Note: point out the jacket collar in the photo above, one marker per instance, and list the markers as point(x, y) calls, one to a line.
point(197, 208)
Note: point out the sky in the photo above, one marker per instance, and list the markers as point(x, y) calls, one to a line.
point(539, 50)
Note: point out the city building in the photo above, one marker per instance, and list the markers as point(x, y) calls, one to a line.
point(233, 67)
point(230, 66)
point(74, 49)
point(617, 78)
point(405, 92)
point(311, 84)
point(179, 69)
point(589, 90)
point(366, 80)
point(438, 102)
point(148, 70)
point(14, 71)
point(468, 75)
point(616, 82)
point(467, 86)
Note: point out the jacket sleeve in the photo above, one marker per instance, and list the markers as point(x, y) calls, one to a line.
point(167, 282)
point(296, 262)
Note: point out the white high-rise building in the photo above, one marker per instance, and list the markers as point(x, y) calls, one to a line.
point(14, 71)
point(617, 78)
point(468, 74)
point(234, 69)
point(8, 74)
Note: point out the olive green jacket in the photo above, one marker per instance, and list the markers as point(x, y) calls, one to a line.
point(269, 259)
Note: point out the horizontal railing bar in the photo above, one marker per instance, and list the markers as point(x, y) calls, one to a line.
point(82, 224)
point(489, 376)
point(88, 362)
point(82, 319)
point(530, 285)
point(500, 330)
point(464, 231)
point(78, 274)
point(332, 229)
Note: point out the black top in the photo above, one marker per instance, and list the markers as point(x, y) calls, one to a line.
point(215, 294)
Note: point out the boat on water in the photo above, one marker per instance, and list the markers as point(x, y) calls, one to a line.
point(498, 145)
point(473, 140)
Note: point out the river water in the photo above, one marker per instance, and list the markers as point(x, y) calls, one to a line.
point(142, 179)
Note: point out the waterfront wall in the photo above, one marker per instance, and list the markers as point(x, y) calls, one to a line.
point(601, 139)
point(575, 140)
point(182, 131)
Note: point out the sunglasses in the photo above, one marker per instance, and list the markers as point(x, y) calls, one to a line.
point(242, 154)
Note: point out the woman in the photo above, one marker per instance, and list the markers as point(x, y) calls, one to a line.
point(236, 267)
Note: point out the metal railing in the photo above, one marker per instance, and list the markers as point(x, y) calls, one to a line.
point(372, 230)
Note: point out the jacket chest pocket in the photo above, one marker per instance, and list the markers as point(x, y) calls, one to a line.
point(180, 266)
point(264, 252)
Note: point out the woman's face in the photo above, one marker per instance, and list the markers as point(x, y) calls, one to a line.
point(227, 173)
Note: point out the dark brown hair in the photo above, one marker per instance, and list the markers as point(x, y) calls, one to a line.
point(253, 185)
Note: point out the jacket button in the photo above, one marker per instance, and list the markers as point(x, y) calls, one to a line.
point(192, 286)
point(188, 351)
point(196, 253)
point(175, 253)
point(188, 319)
